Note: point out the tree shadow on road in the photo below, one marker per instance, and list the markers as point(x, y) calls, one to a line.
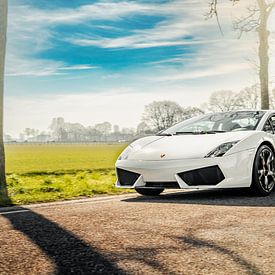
point(70, 254)
point(147, 256)
point(197, 243)
point(227, 197)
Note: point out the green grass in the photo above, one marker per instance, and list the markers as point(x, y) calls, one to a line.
point(49, 172)
point(59, 157)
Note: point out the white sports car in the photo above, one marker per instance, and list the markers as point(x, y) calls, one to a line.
point(222, 150)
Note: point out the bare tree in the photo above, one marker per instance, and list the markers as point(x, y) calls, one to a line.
point(93, 134)
point(222, 101)
point(29, 132)
point(75, 132)
point(191, 112)
point(162, 114)
point(249, 97)
point(256, 20)
point(116, 128)
point(59, 129)
point(3, 32)
point(104, 129)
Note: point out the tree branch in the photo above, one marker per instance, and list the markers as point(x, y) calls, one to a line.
point(247, 23)
point(213, 12)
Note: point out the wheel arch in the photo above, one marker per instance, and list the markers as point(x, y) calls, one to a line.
point(254, 184)
point(268, 143)
point(263, 141)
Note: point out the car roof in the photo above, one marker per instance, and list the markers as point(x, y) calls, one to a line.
point(250, 110)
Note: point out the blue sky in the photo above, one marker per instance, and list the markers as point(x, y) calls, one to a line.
point(92, 61)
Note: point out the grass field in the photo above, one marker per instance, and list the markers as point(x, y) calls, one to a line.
point(29, 158)
point(47, 172)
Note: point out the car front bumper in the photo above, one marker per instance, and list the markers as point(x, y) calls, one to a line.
point(236, 170)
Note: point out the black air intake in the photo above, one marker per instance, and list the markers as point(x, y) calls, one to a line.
point(126, 178)
point(168, 184)
point(211, 175)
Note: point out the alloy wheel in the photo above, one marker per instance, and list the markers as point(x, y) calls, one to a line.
point(266, 169)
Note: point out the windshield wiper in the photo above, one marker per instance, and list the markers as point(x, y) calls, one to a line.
point(185, 133)
point(199, 132)
point(164, 134)
point(215, 131)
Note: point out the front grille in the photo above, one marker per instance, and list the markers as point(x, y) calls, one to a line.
point(211, 175)
point(126, 178)
point(167, 184)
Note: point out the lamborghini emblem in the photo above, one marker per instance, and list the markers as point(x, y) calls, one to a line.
point(162, 156)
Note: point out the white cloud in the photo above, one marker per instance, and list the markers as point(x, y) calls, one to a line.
point(133, 42)
point(22, 66)
point(29, 33)
point(214, 55)
point(77, 68)
point(101, 10)
point(30, 30)
point(217, 58)
point(183, 19)
point(207, 72)
point(221, 60)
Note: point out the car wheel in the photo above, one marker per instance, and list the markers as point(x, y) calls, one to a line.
point(263, 171)
point(149, 191)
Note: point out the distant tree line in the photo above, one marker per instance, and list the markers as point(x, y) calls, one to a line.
point(102, 132)
point(157, 116)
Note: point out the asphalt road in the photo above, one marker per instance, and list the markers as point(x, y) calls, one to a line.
point(202, 232)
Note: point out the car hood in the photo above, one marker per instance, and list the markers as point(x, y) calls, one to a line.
point(181, 146)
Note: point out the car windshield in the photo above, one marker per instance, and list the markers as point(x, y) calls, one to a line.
point(215, 123)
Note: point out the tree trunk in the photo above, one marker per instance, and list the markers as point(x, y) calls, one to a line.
point(3, 32)
point(263, 34)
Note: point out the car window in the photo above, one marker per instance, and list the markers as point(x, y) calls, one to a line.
point(272, 121)
point(219, 122)
point(268, 126)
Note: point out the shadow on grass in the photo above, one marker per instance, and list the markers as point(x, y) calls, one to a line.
point(227, 197)
point(70, 254)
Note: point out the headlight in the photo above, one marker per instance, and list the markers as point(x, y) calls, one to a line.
point(221, 149)
point(131, 148)
point(125, 153)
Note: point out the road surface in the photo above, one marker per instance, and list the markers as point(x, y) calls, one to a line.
point(200, 232)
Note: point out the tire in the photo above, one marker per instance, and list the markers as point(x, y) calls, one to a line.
point(263, 177)
point(149, 191)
